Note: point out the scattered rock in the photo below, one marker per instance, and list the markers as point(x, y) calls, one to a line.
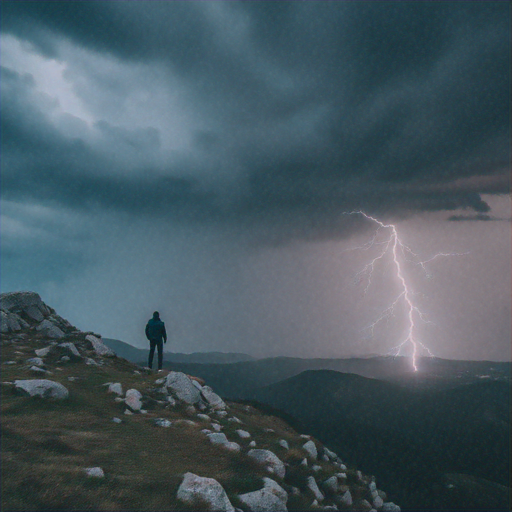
point(43, 388)
point(95, 472)
point(243, 434)
point(284, 444)
point(37, 361)
point(117, 420)
point(204, 417)
point(252, 444)
point(221, 439)
point(316, 468)
point(345, 499)
point(115, 388)
point(128, 412)
point(313, 487)
point(133, 400)
point(70, 350)
point(186, 422)
point(36, 369)
point(216, 427)
point(170, 400)
point(182, 387)
point(271, 498)
point(331, 485)
point(212, 399)
point(234, 420)
point(195, 490)
point(49, 329)
point(43, 352)
point(310, 447)
point(99, 347)
point(390, 507)
point(270, 460)
point(162, 422)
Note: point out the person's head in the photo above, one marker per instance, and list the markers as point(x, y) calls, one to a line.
point(156, 315)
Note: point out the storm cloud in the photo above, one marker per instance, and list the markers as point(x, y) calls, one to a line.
point(260, 108)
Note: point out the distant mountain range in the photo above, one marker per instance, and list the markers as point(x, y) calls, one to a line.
point(432, 437)
point(138, 355)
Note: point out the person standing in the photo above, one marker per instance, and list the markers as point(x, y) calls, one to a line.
point(155, 333)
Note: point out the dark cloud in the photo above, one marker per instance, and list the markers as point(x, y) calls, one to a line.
point(309, 109)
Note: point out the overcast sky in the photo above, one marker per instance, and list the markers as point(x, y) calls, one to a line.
point(200, 159)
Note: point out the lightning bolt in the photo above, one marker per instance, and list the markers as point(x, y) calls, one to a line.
point(400, 253)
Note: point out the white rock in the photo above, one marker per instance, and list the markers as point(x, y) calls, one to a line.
point(195, 489)
point(117, 420)
point(341, 475)
point(133, 400)
point(304, 462)
point(99, 347)
point(212, 399)
point(325, 458)
point(160, 381)
point(116, 388)
point(206, 431)
point(95, 472)
point(284, 444)
point(128, 412)
point(185, 422)
point(42, 387)
point(243, 434)
point(183, 388)
point(71, 350)
point(252, 444)
point(271, 462)
point(313, 487)
point(346, 499)
point(305, 436)
point(36, 369)
point(378, 502)
point(310, 447)
point(216, 427)
point(234, 419)
point(343, 467)
point(331, 485)
point(196, 384)
point(37, 361)
point(221, 414)
point(162, 422)
point(49, 329)
point(43, 352)
point(390, 507)
point(204, 417)
point(268, 430)
point(272, 498)
point(170, 400)
point(88, 361)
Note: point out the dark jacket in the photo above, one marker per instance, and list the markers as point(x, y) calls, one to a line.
point(155, 330)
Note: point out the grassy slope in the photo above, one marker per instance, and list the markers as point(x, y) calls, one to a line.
point(46, 445)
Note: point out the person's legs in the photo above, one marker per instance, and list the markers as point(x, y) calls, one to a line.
point(160, 347)
point(152, 345)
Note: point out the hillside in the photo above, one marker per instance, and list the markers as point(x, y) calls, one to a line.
point(83, 429)
point(411, 440)
point(138, 355)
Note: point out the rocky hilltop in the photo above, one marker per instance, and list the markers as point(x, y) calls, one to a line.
point(85, 430)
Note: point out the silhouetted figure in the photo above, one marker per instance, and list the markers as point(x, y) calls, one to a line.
point(155, 333)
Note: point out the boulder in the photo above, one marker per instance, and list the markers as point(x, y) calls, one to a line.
point(204, 417)
point(310, 447)
point(270, 460)
point(42, 387)
point(243, 434)
point(221, 439)
point(313, 487)
point(195, 490)
point(182, 387)
point(133, 400)
point(10, 322)
point(212, 399)
point(271, 498)
point(99, 347)
point(378, 502)
point(49, 329)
